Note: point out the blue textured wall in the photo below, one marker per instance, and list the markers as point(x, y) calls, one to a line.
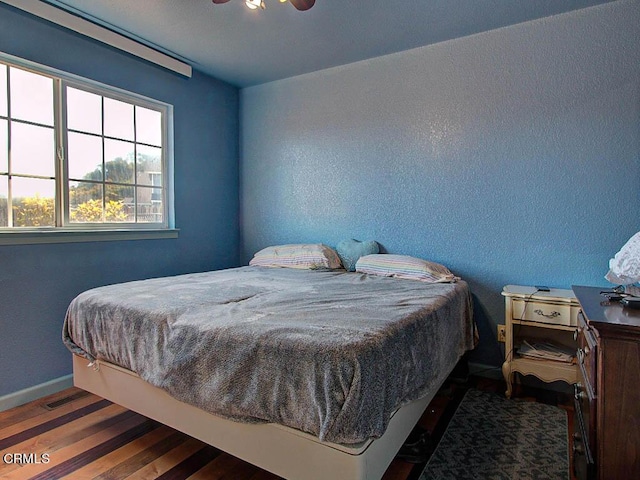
point(37, 282)
point(510, 156)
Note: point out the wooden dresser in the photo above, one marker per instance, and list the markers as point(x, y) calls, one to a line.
point(607, 395)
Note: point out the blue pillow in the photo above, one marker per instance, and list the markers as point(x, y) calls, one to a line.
point(351, 250)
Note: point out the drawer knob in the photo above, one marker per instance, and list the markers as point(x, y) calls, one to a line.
point(578, 392)
point(578, 449)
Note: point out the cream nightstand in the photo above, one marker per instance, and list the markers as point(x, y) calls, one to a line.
point(533, 316)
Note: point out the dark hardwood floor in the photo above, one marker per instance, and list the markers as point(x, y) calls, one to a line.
point(77, 435)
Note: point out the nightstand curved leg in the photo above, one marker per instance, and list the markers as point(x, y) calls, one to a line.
point(508, 377)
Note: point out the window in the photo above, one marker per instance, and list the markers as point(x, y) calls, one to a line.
point(77, 155)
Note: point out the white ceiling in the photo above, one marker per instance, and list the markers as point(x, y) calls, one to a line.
point(245, 47)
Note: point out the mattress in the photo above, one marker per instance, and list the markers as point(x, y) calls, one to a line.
point(330, 353)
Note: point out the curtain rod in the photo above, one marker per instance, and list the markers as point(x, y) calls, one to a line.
point(100, 33)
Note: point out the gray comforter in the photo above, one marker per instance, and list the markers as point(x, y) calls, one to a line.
point(330, 353)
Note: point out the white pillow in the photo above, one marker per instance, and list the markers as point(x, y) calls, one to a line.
point(403, 266)
point(313, 256)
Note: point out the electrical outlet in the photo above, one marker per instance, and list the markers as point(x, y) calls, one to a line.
point(502, 333)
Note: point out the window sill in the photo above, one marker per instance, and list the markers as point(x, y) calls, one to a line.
point(31, 237)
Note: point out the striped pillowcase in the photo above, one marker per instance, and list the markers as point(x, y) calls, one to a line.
point(403, 266)
point(312, 256)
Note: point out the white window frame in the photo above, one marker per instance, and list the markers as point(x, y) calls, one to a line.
point(64, 231)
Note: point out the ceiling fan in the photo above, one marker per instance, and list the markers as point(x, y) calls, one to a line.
point(253, 4)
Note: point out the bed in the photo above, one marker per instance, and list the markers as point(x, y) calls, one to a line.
point(304, 373)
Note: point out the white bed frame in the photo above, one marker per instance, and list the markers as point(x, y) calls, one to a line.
point(287, 452)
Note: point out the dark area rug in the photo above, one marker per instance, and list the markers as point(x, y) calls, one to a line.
point(493, 438)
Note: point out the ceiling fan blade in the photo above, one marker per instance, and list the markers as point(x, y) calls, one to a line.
point(302, 4)
point(219, 1)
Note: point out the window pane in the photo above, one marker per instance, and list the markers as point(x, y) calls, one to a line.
point(85, 202)
point(33, 202)
point(4, 147)
point(31, 97)
point(113, 169)
point(118, 119)
point(118, 161)
point(32, 150)
point(148, 126)
point(149, 204)
point(85, 157)
point(3, 90)
point(4, 218)
point(119, 207)
point(84, 111)
point(149, 165)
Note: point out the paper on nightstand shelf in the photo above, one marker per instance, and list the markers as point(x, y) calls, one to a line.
point(546, 351)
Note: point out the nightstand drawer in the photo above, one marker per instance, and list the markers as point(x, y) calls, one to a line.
point(533, 311)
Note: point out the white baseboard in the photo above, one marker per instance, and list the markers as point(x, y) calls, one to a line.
point(487, 371)
point(27, 395)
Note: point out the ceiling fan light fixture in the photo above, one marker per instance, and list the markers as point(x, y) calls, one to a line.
point(254, 4)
